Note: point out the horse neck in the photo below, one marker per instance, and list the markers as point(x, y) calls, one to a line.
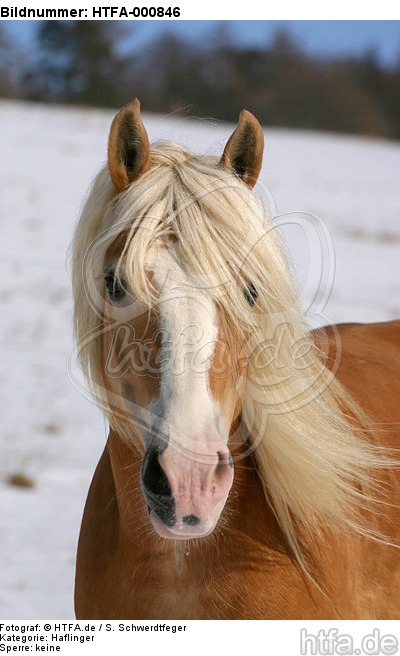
point(125, 460)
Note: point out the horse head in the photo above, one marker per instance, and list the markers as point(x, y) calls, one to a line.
point(173, 363)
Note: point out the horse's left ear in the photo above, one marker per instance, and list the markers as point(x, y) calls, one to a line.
point(128, 146)
point(244, 151)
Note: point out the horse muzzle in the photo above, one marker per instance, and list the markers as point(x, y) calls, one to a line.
point(186, 490)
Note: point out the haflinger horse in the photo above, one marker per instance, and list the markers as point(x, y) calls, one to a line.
point(250, 470)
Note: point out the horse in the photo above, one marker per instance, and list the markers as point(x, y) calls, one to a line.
point(251, 468)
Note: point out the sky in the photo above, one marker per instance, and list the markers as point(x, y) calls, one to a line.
point(319, 38)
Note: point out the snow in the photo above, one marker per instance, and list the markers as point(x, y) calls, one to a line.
point(329, 189)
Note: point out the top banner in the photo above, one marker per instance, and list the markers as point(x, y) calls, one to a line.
point(136, 10)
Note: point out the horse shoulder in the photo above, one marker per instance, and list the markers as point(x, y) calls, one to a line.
point(368, 368)
point(367, 357)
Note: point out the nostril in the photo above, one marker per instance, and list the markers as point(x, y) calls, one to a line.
point(153, 476)
point(223, 472)
point(224, 458)
point(156, 489)
point(190, 520)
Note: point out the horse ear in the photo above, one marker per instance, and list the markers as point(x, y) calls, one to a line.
point(128, 146)
point(244, 151)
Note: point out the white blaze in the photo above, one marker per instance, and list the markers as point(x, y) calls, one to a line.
point(189, 329)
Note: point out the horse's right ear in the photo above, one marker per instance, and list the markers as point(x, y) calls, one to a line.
point(244, 151)
point(128, 146)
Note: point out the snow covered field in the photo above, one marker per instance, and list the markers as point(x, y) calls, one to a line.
point(49, 431)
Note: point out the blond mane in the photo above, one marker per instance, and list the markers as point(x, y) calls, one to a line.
point(315, 468)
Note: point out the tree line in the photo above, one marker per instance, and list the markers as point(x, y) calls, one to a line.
point(82, 62)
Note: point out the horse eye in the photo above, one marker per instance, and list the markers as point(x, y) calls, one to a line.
point(116, 287)
point(251, 294)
